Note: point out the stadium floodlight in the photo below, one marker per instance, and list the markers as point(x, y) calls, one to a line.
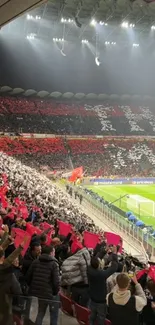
point(97, 61)
point(29, 17)
point(125, 24)
point(107, 43)
point(37, 17)
point(63, 20)
point(113, 43)
point(101, 23)
point(84, 41)
point(153, 27)
point(58, 39)
point(31, 36)
point(106, 24)
point(93, 22)
point(135, 45)
point(132, 25)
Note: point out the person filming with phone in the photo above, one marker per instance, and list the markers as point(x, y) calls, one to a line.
point(124, 308)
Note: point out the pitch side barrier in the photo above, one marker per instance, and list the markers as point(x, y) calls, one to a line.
point(120, 181)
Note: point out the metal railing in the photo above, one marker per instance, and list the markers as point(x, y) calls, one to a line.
point(145, 242)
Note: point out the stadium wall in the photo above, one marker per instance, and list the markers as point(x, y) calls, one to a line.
point(119, 181)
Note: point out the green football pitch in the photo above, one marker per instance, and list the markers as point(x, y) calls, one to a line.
point(144, 211)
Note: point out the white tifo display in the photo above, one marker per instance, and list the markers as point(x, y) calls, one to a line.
point(141, 205)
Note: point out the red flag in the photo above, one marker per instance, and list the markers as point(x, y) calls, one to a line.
point(45, 225)
point(5, 179)
point(19, 236)
point(23, 212)
point(76, 173)
point(151, 273)
point(113, 239)
point(141, 273)
point(90, 239)
point(76, 245)
point(64, 228)
point(32, 229)
point(3, 201)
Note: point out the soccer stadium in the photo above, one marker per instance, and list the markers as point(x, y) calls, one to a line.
point(77, 162)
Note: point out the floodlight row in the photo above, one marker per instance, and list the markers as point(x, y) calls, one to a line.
point(64, 20)
point(58, 39)
point(30, 17)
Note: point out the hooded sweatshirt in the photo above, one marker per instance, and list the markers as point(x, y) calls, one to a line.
point(124, 308)
point(122, 297)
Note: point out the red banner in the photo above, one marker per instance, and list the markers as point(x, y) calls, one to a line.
point(113, 239)
point(90, 239)
point(32, 230)
point(76, 173)
point(19, 237)
point(64, 228)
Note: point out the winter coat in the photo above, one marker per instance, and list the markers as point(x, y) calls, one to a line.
point(43, 277)
point(27, 261)
point(74, 268)
point(8, 286)
point(97, 282)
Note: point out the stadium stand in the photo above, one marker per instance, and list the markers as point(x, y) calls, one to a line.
point(109, 156)
point(34, 212)
point(24, 115)
point(43, 232)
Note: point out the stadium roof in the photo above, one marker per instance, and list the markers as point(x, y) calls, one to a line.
point(71, 20)
point(6, 90)
point(13, 8)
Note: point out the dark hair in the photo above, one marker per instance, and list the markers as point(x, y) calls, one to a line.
point(47, 250)
point(1, 252)
point(94, 262)
point(122, 280)
point(34, 244)
point(43, 238)
point(120, 267)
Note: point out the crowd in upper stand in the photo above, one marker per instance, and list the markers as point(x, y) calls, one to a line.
point(100, 157)
point(24, 115)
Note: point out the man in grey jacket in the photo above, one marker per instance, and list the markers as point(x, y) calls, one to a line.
point(74, 275)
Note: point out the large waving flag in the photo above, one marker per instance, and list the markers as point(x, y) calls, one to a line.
point(76, 173)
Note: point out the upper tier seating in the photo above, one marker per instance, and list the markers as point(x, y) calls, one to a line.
point(47, 116)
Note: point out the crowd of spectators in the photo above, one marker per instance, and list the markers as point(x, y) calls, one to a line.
point(99, 157)
point(25, 115)
point(32, 256)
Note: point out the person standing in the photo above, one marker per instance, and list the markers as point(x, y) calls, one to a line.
point(124, 308)
point(44, 283)
point(97, 288)
point(9, 286)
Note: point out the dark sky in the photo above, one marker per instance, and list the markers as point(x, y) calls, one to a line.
point(40, 65)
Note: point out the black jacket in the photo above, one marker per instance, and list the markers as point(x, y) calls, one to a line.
point(43, 277)
point(27, 261)
point(8, 286)
point(97, 282)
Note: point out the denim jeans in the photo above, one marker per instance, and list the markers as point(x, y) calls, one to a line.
point(98, 313)
point(53, 309)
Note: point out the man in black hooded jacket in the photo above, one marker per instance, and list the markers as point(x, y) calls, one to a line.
point(44, 283)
